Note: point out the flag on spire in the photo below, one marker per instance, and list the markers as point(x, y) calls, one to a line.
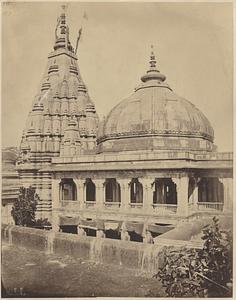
point(78, 38)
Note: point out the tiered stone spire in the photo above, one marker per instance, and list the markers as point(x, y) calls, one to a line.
point(62, 95)
point(62, 121)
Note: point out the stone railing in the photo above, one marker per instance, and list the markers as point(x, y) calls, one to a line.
point(207, 206)
point(165, 208)
point(136, 205)
point(111, 205)
point(90, 204)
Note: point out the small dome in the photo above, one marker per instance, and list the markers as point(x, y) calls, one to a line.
point(155, 118)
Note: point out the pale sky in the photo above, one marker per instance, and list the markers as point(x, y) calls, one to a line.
point(192, 41)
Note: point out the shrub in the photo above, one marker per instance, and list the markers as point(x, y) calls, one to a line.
point(203, 272)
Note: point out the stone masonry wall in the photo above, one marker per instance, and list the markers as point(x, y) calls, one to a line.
point(144, 257)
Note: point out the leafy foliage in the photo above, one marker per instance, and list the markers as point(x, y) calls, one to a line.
point(42, 222)
point(203, 272)
point(217, 257)
point(24, 207)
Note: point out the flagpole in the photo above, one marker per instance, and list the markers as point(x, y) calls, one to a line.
point(85, 17)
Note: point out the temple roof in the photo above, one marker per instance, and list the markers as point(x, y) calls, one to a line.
point(152, 116)
point(62, 96)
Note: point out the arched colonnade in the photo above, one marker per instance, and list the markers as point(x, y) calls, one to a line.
point(171, 194)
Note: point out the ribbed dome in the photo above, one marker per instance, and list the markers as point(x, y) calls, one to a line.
point(154, 117)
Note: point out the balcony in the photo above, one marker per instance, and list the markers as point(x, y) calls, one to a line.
point(165, 209)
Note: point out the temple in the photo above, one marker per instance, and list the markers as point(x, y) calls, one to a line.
point(150, 164)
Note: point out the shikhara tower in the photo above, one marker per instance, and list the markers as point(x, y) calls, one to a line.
point(62, 121)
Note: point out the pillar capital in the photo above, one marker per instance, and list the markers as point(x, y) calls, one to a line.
point(180, 180)
point(56, 180)
point(99, 183)
point(146, 182)
point(79, 182)
point(124, 182)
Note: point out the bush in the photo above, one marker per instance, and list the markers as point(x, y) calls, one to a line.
point(203, 272)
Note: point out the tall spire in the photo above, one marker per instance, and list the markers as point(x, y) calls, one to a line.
point(153, 73)
point(62, 33)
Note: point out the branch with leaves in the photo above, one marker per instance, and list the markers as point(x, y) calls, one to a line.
point(200, 273)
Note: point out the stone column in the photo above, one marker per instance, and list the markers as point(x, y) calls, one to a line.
point(81, 231)
point(215, 190)
point(182, 195)
point(55, 204)
point(228, 194)
point(194, 196)
point(99, 183)
point(125, 193)
point(147, 194)
point(100, 233)
point(147, 236)
point(124, 233)
point(55, 193)
point(80, 192)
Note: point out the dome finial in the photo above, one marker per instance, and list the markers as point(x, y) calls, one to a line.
point(152, 61)
point(153, 73)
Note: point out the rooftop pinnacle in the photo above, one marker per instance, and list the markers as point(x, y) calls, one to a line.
point(153, 73)
point(62, 33)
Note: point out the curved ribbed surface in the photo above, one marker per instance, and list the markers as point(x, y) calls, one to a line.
point(155, 110)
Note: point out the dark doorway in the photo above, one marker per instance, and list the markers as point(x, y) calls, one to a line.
point(69, 229)
point(164, 191)
point(112, 190)
point(135, 237)
point(136, 191)
point(113, 234)
point(90, 190)
point(68, 190)
point(90, 232)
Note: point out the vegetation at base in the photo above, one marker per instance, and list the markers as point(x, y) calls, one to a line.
point(42, 222)
point(205, 272)
point(24, 208)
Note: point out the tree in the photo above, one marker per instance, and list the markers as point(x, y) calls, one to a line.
point(205, 272)
point(24, 207)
